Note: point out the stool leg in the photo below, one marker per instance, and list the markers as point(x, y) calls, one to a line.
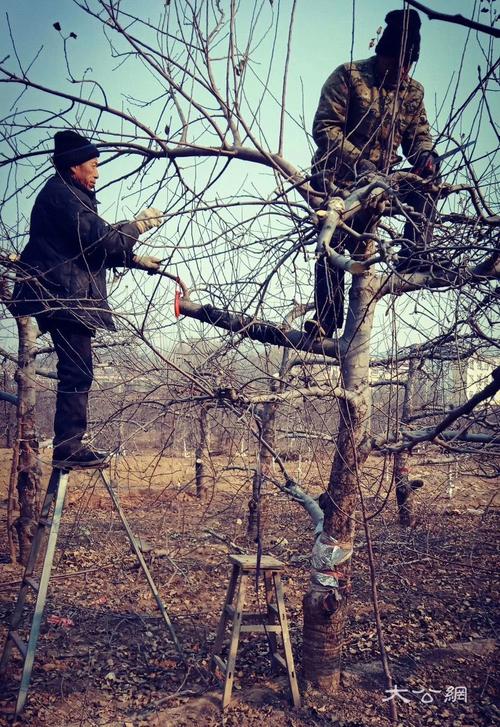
point(271, 618)
point(219, 636)
point(235, 636)
point(287, 647)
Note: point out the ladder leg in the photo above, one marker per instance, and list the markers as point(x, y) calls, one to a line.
point(62, 482)
point(287, 647)
point(142, 563)
point(219, 636)
point(235, 637)
point(271, 617)
point(30, 567)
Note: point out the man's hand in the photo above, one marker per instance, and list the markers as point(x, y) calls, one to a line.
point(427, 164)
point(151, 264)
point(147, 219)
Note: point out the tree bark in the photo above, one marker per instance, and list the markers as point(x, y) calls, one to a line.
point(325, 609)
point(404, 488)
point(201, 455)
point(28, 467)
point(257, 505)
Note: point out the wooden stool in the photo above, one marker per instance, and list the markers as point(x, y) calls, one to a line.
point(271, 623)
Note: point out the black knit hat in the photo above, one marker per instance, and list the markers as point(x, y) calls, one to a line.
point(71, 149)
point(401, 31)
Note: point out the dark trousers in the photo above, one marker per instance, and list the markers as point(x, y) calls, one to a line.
point(418, 232)
point(75, 375)
point(329, 280)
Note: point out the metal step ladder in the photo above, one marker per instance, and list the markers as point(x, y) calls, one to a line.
point(54, 500)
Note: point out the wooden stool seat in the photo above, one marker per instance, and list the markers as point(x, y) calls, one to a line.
point(272, 622)
point(249, 562)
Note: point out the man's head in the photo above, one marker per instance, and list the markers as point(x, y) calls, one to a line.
point(76, 154)
point(399, 45)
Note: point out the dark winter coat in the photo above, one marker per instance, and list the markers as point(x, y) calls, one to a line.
point(62, 275)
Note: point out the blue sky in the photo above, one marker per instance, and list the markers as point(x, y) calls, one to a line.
point(325, 32)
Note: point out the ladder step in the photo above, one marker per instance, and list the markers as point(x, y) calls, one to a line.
point(257, 627)
point(260, 628)
point(32, 583)
point(20, 644)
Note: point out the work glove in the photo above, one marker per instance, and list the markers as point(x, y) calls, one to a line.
point(147, 219)
point(146, 262)
point(365, 166)
point(427, 164)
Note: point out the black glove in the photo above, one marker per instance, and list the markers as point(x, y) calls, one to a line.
point(427, 164)
point(365, 166)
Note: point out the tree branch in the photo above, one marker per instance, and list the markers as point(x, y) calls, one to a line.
point(441, 430)
point(456, 19)
point(262, 331)
point(305, 392)
point(9, 398)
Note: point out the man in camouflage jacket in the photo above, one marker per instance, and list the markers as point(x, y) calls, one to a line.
point(360, 119)
point(367, 110)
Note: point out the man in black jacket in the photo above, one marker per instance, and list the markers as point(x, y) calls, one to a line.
point(62, 282)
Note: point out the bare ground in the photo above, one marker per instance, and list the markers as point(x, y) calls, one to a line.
point(112, 662)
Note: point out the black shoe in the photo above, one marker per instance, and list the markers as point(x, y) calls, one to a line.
point(314, 329)
point(83, 458)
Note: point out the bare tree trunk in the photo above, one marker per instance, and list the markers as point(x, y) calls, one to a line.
point(404, 490)
point(325, 608)
point(12, 501)
point(29, 472)
point(405, 487)
point(253, 505)
point(201, 455)
point(257, 505)
point(9, 429)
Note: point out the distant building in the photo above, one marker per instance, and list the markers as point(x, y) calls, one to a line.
point(471, 376)
point(443, 383)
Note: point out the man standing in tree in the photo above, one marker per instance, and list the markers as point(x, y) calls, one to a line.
point(62, 282)
point(367, 109)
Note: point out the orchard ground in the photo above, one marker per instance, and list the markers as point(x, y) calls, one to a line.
point(105, 657)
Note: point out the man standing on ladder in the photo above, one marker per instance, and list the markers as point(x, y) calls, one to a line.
point(367, 109)
point(62, 282)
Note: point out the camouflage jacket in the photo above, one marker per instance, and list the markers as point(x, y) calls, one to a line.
point(357, 119)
